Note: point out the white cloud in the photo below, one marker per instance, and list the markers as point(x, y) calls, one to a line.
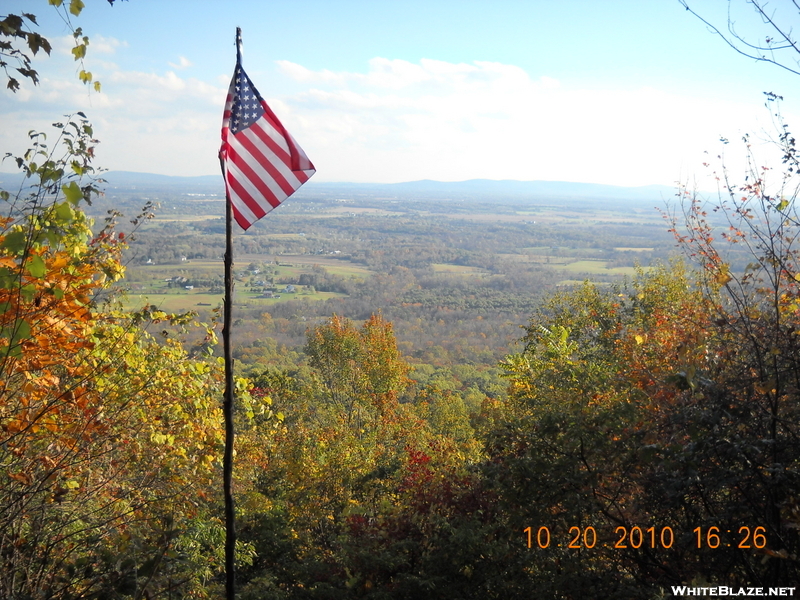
point(183, 63)
point(304, 75)
point(401, 121)
point(105, 45)
point(98, 44)
point(154, 122)
point(145, 92)
point(401, 75)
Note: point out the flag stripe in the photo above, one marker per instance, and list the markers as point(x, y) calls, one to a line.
point(260, 174)
point(245, 191)
point(241, 211)
point(262, 163)
point(264, 157)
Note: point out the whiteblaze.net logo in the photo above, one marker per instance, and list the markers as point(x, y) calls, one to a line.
point(724, 590)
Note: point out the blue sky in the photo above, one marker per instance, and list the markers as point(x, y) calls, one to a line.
point(625, 92)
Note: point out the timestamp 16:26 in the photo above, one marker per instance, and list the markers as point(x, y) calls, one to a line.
point(651, 537)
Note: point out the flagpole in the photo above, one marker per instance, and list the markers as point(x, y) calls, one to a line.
point(227, 410)
point(227, 406)
point(261, 168)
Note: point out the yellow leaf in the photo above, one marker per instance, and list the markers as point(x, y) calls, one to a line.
point(723, 276)
point(75, 7)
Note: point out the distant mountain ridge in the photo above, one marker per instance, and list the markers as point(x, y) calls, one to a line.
point(212, 184)
point(513, 187)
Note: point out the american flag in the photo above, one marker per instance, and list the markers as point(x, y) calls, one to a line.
point(261, 163)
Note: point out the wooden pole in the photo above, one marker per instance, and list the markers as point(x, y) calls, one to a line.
point(227, 409)
point(227, 406)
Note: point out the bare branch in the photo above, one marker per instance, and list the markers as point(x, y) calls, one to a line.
point(784, 40)
point(787, 37)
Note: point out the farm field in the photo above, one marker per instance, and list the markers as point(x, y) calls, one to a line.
point(293, 264)
point(457, 269)
point(175, 301)
point(329, 250)
point(594, 267)
point(200, 301)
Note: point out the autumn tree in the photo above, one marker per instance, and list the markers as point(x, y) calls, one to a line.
point(666, 406)
point(339, 458)
point(108, 439)
point(361, 371)
point(750, 391)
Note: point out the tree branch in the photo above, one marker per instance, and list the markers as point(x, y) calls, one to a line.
point(735, 41)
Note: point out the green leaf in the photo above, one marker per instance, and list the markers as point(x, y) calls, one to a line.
point(13, 351)
point(28, 292)
point(23, 331)
point(96, 86)
point(49, 172)
point(20, 330)
point(64, 212)
point(72, 193)
point(53, 237)
point(15, 242)
point(36, 266)
point(8, 279)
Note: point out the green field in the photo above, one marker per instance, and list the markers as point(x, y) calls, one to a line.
point(597, 267)
point(174, 302)
point(294, 264)
point(459, 269)
point(179, 301)
point(149, 284)
point(183, 218)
